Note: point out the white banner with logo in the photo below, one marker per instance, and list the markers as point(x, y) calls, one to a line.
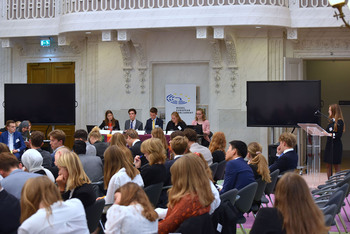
point(182, 99)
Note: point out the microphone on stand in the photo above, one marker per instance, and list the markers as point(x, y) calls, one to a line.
point(317, 112)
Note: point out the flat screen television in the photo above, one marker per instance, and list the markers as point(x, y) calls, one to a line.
point(41, 104)
point(282, 103)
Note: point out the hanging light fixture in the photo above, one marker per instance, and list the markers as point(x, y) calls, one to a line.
point(338, 4)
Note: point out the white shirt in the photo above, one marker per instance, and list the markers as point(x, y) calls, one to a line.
point(195, 147)
point(67, 217)
point(215, 204)
point(119, 179)
point(10, 141)
point(129, 220)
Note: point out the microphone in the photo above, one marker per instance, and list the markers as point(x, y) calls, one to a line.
point(317, 112)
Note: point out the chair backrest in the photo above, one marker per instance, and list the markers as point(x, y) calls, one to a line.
point(271, 186)
point(98, 188)
point(246, 197)
point(260, 190)
point(346, 180)
point(93, 214)
point(153, 192)
point(336, 198)
point(330, 210)
point(201, 224)
point(220, 171)
point(213, 168)
point(229, 196)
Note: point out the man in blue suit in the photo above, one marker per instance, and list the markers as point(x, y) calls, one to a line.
point(13, 139)
point(154, 121)
point(238, 173)
point(288, 160)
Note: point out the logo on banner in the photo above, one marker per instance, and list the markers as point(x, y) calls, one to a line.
point(177, 99)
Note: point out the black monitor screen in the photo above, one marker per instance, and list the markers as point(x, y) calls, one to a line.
point(282, 103)
point(46, 104)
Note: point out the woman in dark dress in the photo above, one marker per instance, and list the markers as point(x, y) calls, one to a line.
point(110, 123)
point(294, 210)
point(336, 127)
point(217, 147)
point(154, 172)
point(176, 123)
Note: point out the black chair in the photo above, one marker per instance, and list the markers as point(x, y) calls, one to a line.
point(230, 196)
point(93, 214)
point(258, 195)
point(99, 188)
point(329, 215)
point(270, 187)
point(220, 171)
point(213, 168)
point(201, 224)
point(245, 201)
point(153, 192)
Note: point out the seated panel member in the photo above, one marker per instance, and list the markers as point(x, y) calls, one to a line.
point(288, 160)
point(154, 121)
point(133, 123)
point(13, 139)
point(109, 123)
point(238, 173)
point(176, 123)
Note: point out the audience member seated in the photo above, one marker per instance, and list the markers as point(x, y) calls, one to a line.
point(154, 172)
point(217, 147)
point(258, 162)
point(159, 133)
point(172, 136)
point(82, 135)
point(132, 122)
point(195, 147)
point(14, 177)
point(134, 143)
point(118, 170)
point(58, 154)
point(202, 121)
point(154, 121)
point(36, 141)
point(109, 123)
point(43, 211)
point(72, 180)
point(294, 210)
point(57, 139)
point(131, 212)
point(24, 129)
point(176, 123)
point(10, 212)
point(92, 165)
point(95, 139)
point(288, 160)
point(13, 139)
point(4, 148)
point(237, 172)
point(190, 195)
point(118, 139)
point(32, 162)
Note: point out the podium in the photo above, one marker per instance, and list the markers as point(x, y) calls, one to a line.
point(313, 149)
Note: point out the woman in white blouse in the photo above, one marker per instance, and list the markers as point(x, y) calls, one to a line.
point(132, 212)
point(43, 211)
point(118, 170)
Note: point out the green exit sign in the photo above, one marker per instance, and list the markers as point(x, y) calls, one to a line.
point(45, 43)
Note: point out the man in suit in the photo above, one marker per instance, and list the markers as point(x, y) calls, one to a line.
point(57, 138)
point(134, 143)
point(11, 212)
point(154, 121)
point(82, 135)
point(36, 141)
point(13, 139)
point(92, 165)
point(288, 160)
point(238, 173)
point(133, 123)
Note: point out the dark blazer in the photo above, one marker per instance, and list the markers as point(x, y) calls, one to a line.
point(237, 175)
point(10, 213)
point(148, 127)
point(136, 150)
point(172, 127)
point(268, 220)
point(285, 162)
point(116, 127)
point(18, 142)
point(47, 160)
point(139, 125)
point(153, 174)
point(84, 193)
point(100, 148)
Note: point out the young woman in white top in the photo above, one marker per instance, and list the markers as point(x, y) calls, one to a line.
point(132, 212)
point(43, 211)
point(118, 170)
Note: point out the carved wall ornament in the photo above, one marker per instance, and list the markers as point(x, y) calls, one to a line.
point(125, 48)
point(142, 65)
point(323, 44)
point(231, 60)
point(216, 63)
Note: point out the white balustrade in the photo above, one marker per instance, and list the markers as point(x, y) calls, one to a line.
point(39, 9)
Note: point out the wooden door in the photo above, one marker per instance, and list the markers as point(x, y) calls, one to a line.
point(62, 72)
